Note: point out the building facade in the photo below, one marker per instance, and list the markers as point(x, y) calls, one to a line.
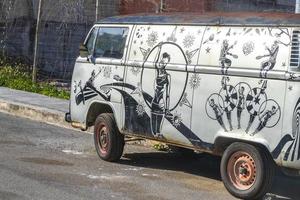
point(141, 6)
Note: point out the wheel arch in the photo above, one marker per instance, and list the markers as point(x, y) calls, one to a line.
point(222, 143)
point(96, 108)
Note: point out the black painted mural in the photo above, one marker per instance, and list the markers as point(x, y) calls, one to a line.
point(291, 140)
point(227, 106)
point(161, 105)
point(242, 97)
point(270, 62)
point(225, 61)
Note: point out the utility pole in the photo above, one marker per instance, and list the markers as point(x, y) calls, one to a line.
point(161, 7)
point(97, 9)
point(36, 45)
point(297, 7)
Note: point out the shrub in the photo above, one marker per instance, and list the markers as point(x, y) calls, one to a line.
point(16, 77)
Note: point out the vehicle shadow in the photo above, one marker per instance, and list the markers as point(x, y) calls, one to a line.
point(206, 165)
point(198, 164)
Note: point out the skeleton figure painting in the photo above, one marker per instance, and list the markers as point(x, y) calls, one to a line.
point(242, 97)
point(161, 101)
point(269, 64)
point(229, 95)
point(265, 119)
point(240, 104)
point(254, 103)
point(225, 62)
point(214, 111)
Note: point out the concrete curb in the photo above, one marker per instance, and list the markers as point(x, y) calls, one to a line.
point(35, 113)
point(48, 116)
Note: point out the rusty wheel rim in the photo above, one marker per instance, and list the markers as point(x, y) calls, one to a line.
point(241, 170)
point(103, 138)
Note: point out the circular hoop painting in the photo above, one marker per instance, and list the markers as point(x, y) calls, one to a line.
point(167, 83)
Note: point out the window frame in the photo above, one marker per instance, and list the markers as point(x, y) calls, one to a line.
point(89, 36)
point(116, 61)
point(123, 50)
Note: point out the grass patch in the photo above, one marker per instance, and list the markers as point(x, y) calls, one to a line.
point(160, 146)
point(15, 76)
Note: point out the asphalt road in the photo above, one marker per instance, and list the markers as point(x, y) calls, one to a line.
point(40, 161)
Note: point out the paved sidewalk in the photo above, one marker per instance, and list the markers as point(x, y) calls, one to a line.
point(39, 108)
point(34, 106)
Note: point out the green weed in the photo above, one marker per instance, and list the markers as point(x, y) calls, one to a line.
point(15, 77)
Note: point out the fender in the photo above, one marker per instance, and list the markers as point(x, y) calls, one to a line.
point(223, 140)
point(110, 105)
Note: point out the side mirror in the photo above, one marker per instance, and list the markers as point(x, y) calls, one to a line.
point(83, 51)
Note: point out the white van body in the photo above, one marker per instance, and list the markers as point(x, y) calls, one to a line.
point(200, 82)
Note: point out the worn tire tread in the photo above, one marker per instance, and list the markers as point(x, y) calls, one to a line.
point(116, 138)
point(267, 171)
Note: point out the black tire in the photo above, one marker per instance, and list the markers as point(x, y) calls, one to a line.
point(258, 180)
point(109, 142)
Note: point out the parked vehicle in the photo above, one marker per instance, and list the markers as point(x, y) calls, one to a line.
point(224, 84)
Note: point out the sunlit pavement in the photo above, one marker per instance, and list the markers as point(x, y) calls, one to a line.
point(40, 161)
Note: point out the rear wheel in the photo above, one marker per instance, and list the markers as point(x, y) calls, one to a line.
point(246, 171)
point(109, 142)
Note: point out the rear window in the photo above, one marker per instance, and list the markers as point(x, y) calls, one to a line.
point(110, 42)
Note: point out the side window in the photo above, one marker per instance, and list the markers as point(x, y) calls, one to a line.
point(110, 42)
point(91, 41)
point(295, 52)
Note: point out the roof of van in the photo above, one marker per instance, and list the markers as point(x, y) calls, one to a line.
point(210, 18)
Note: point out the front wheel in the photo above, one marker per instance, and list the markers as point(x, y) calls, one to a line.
point(246, 171)
point(109, 142)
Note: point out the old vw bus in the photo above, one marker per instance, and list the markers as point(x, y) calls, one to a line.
point(224, 84)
